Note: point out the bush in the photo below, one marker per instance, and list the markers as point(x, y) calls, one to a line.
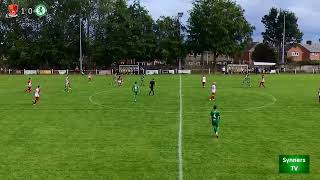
point(308, 62)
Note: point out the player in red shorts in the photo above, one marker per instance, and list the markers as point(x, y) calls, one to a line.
point(29, 86)
point(262, 81)
point(36, 95)
point(213, 92)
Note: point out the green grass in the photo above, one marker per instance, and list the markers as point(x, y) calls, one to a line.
point(97, 132)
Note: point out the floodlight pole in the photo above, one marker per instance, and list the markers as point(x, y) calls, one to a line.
point(180, 14)
point(284, 35)
point(80, 46)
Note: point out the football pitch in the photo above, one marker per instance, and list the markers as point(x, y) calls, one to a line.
point(97, 131)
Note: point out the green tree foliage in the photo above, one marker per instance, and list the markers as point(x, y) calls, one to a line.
point(264, 53)
point(142, 43)
point(124, 33)
point(218, 26)
point(170, 40)
point(48, 42)
point(112, 31)
point(273, 23)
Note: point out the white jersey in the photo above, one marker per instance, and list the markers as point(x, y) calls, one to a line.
point(37, 92)
point(29, 84)
point(213, 88)
point(204, 79)
point(319, 93)
point(263, 80)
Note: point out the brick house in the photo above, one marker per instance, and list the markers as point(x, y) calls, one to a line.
point(246, 56)
point(193, 59)
point(304, 52)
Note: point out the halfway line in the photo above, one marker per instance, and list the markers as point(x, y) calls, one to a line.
point(180, 135)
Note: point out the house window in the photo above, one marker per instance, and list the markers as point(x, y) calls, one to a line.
point(198, 54)
point(190, 63)
point(295, 54)
point(191, 54)
point(198, 63)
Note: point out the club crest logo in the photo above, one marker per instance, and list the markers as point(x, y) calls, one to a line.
point(13, 10)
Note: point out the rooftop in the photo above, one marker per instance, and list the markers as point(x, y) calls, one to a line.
point(314, 48)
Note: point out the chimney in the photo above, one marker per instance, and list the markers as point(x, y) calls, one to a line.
point(309, 42)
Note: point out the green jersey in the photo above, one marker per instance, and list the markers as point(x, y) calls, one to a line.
point(135, 88)
point(247, 77)
point(215, 116)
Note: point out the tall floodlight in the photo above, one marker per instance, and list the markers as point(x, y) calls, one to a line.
point(180, 14)
point(80, 49)
point(284, 36)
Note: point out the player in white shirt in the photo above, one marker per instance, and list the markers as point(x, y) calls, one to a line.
point(89, 77)
point(204, 80)
point(213, 92)
point(36, 95)
point(262, 81)
point(120, 81)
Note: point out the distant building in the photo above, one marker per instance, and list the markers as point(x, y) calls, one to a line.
point(245, 57)
point(304, 52)
point(193, 59)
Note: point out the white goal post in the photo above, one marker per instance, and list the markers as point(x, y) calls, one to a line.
point(130, 69)
point(237, 68)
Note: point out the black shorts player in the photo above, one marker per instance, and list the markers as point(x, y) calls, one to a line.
point(152, 84)
point(319, 94)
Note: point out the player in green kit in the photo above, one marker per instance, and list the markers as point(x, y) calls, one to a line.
point(142, 80)
point(135, 90)
point(247, 81)
point(67, 86)
point(215, 120)
point(114, 80)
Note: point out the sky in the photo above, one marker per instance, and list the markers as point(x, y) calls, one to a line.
point(307, 11)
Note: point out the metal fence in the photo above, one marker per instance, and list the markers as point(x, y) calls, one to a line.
point(54, 72)
point(311, 69)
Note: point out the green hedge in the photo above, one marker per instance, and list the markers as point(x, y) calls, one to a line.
point(306, 62)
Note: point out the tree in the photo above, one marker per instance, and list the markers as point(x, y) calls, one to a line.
point(141, 43)
point(169, 40)
point(47, 42)
point(218, 26)
point(264, 53)
point(116, 32)
point(273, 23)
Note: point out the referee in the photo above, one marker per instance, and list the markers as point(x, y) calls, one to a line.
point(152, 84)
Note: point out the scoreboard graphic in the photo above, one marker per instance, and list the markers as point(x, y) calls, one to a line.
point(15, 8)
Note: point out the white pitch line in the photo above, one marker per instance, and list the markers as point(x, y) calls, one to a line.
point(180, 135)
point(91, 99)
